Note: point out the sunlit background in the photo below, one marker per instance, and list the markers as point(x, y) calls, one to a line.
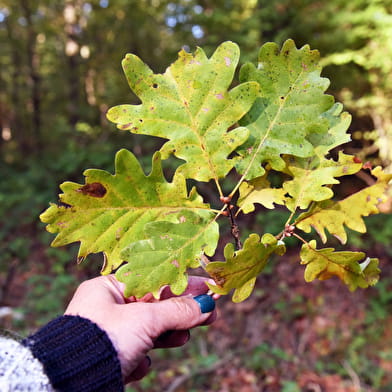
point(60, 72)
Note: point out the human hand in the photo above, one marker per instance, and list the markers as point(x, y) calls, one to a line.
point(135, 327)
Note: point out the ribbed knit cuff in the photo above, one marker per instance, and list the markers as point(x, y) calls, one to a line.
point(77, 355)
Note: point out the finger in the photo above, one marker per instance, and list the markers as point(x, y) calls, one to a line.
point(181, 313)
point(141, 370)
point(213, 316)
point(171, 339)
point(196, 286)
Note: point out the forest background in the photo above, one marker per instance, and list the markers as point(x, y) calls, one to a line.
point(60, 72)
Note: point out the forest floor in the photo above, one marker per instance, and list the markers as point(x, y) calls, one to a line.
point(288, 336)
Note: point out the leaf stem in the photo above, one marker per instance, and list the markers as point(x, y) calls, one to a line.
point(300, 238)
point(262, 141)
point(237, 186)
point(219, 188)
point(289, 218)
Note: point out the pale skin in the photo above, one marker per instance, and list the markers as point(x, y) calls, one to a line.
point(137, 326)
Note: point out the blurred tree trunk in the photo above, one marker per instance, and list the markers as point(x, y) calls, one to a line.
point(71, 28)
point(34, 76)
point(3, 120)
point(17, 116)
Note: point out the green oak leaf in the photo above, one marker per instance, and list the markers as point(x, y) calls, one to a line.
point(290, 108)
point(241, 267)
point(322, 264)
point(338, 123)
point(163, 258)
point(311, 177)
point(334, 215)
point(109, 212)
point(190, 105)
point(259, 191)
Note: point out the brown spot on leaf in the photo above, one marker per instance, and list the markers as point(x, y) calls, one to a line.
point(220, 280)
point(95, 189)
point(125, 126)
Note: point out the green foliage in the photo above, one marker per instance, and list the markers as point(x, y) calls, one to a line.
point(172, 248)
point(333, 216)
point(289, 126)
point(110, 211)
point(324, 263)
point(191, 106)
point(241, 268)
point(292, 94)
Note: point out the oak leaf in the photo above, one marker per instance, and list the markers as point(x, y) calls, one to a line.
point(166, 253)
point(241, 267)
point(259, 191)
point(191, 106)
point(290, 107)
point(109, 211)
point(322, 264)
point(312, 176)
point(335, 215)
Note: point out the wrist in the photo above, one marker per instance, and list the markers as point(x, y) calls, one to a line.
point(76, 355)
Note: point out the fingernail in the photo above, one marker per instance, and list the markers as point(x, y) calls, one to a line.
point(206, 303)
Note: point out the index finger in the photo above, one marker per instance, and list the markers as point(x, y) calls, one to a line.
point(196, 286)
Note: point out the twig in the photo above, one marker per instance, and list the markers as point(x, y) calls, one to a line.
point(177, 382)
point(235, 230)
point(353, 375)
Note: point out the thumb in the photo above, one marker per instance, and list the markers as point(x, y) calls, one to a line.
point(179, 313)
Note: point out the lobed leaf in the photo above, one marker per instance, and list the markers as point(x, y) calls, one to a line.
point(338, 123)
point(334, 215)
point(259, 191)
point(241, 267)
point(109, 212)
point(311, 177)
point(163, 258)
point(190, 105)
point(290, 108)
point(322, 264)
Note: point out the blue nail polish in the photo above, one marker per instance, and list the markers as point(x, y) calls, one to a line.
point(206, 303)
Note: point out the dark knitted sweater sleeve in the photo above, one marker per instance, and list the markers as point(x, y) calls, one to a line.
point(77, 355)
